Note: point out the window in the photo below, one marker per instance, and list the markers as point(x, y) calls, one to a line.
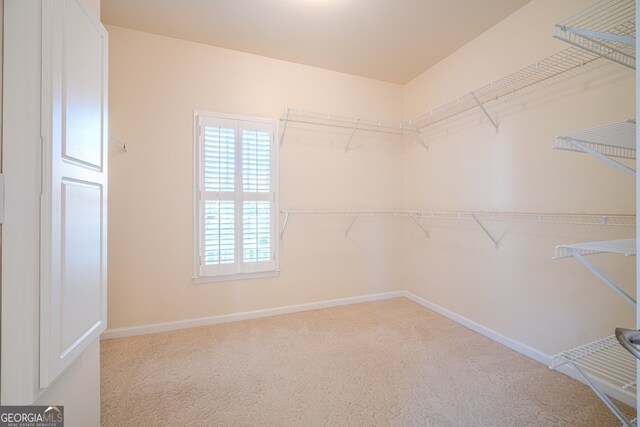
point(235, 196)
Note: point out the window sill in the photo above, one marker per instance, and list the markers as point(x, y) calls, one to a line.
point(232, 277)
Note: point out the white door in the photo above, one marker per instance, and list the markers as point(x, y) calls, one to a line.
point(73, 228)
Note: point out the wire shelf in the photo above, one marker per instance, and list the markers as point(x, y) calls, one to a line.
point(345, 213)
point(550, 218)
point(611, 140)
point(604, 359)
point(540, 218)
point(607, 28)
point(625, 247)
point(547, 70)
point(293, 115)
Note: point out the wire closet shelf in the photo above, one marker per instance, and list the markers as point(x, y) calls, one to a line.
point(293, 115)
point(548, 70)
point(612, 140)
point(607, 28)
point(626, 247)
point(613, 220)
point(615, 140)
point(606, 361)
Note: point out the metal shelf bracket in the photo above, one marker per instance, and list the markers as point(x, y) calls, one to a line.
point(629, 41)
point(355, 127)
point(417, 221)
point(284, 225)
point(495, 242)
point(611, 284)
point(346, 233)
point(421, 142)
point(583, 147)
point(484, 110)
point(605, 399)
point(284, 127)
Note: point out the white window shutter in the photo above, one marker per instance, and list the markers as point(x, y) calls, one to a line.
point(237, 202)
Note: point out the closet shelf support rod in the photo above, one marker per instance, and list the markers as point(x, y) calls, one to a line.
point(417, 221)
point(582, 147)
point(284, 225)
point(603, 278)
point(355, 126)
point(484, 110)
point(346, 233)
point(284, 127)
point(605, 399)
point(590, 34)
point(495, 242)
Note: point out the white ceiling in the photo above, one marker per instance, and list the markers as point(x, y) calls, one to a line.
point(389, 40)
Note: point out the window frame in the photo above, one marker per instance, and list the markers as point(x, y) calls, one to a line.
point(199, 275)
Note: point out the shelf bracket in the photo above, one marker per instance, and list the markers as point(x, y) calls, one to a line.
point(355, 127)
point(421, 142)
point(603, 278)
point(417, 221)
point(486, 113)
point(590, 34)
point(605, 399)
point(284, 127)
point(582, 147)
point(495, 242)
point(284, 225)
point(346, 233)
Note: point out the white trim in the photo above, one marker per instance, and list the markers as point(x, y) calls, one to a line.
point(234, 317)
point(239, 276)
point(525, 350)
point(21, 229)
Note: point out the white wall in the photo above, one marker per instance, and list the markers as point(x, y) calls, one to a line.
point(155, 84)
point(518, 290)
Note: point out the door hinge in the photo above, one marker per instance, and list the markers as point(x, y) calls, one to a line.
point(1, 198)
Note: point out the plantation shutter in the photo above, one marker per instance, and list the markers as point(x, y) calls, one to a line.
point(237, 198)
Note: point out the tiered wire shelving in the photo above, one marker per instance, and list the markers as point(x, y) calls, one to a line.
point(606, 28)
point(559, 65)
point(606, 361)
point(353, 124)
point(604, 143)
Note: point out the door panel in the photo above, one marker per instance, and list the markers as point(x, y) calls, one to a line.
point(82, 45)
point(73, 226)
point(81, 255)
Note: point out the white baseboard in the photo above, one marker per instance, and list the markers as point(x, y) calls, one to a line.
point(524, 349)
point(612, 391)
point(234, 317)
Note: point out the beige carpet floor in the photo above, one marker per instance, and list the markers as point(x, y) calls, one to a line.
point(387, 363)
